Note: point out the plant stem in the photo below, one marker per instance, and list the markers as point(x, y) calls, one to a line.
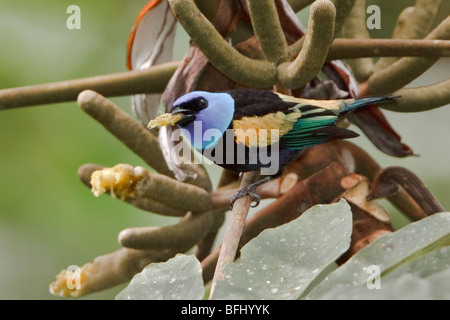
point(108, 270)
point(234, 229)
point(405, 70)
point(343, 8)
point(147, 204)
point(136, 137)
point(315, 47)
point(412, 23)
point(267, 28)
point(358, 48)
point(242, 69)
point(421, 98)
point(298, 5)
point(152, 80)
point(178, 237)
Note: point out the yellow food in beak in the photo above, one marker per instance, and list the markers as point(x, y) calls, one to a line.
point(165, 119)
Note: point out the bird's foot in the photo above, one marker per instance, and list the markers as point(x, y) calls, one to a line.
point(247, 191)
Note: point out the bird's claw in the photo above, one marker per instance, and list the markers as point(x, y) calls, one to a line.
point(246, 192)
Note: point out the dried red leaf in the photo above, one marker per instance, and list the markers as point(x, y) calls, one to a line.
point(389, 179)
point(149, 6)
point(150, 43)
point(185, 78)
point(375, 126)
point(225, 17)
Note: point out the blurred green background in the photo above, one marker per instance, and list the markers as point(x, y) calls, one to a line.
point(48, 218)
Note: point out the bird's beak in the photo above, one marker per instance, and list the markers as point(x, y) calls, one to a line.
point(178, 116)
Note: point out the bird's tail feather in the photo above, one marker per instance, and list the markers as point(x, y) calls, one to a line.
point(369, 100)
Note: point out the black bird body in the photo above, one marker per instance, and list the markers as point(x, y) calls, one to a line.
point(265, 104)
point(258, 130)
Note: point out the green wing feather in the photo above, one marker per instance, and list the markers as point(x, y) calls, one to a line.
point(315, 126)
point(318, 117)
point(309, 131)
point(301, 122)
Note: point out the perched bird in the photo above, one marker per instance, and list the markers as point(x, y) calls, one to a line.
point(258, 130)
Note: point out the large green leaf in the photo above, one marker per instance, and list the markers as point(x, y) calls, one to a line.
point(280, 263)
point(426, 277)
point(180, 278)
point(403, 261)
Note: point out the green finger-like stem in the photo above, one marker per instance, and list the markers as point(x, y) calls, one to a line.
point(147, 190)
point(425, 12)
point(405, 70)
point(107, 271)
point(267, 28)
point(175, 193)
point(179, 237)
point(421, 98)
point(401, 31)
point(362, 67)
point(298, 5)
point(343, 9)
point(412, 23)
point(148, 204)
point(224, 57)
point(137, 138)
point(315, 47)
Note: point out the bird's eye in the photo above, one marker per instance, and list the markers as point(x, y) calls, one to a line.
point(202, 103)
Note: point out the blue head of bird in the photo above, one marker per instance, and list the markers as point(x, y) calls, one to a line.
point(205, 116)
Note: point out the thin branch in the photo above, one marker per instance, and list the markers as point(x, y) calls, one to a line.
point(267, 28)
point(290, 205)
point(156, 78)
point(405, 70)
point(357, 48)
point(223, 56)
point(342, 48)
point(221, 198)
point(152, 80)
point(234, 229)
point(227, 181)
point(315, 48)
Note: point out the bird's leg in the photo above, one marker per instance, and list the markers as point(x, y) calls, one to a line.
point(249, 191)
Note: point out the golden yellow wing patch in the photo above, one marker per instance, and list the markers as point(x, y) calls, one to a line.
point(261, 131)
point(324, 104)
